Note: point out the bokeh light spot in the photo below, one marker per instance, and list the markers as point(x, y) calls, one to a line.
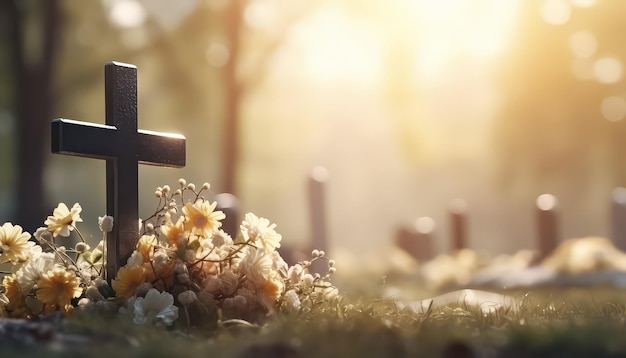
point(425, 225)
point(583, 3)
point(582, 68)
point(217, 54)
point(547, 202)
point(127, 13)
point(555, 12)
point(607, 70)
point(613, 108)
point(583, 44)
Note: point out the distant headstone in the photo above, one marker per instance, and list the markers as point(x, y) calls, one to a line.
point(618, 218)
point(317, 211)
point(229, 205)
point(458, 224)
point(123, 147)
point(547, 224)
point(417, 240)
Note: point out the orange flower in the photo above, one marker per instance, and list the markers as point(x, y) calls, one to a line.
point(146, 245)
point(201, 218)
point(56, 289)
point(17, 301)
point(128, 279)
point(273, 288)
point(163, 277)
point(173, 231)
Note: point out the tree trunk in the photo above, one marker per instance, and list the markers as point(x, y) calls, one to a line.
point(230, 146)
point(33, 88)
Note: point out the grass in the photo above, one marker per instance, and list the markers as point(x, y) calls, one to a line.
point(548, 323)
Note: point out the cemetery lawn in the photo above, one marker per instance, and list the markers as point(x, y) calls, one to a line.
point(581, 322)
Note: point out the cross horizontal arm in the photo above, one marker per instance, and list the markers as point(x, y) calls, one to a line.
point(162, 149)
point(83, 139)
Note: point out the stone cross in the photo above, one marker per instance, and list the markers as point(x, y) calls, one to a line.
point(123, 147)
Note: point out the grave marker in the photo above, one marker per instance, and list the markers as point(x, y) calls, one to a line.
point(317, 201)
point(229, 205)
point(618, 218)
point(547, 224)
point(458, 224)
point(123, 146)
point(417, 240)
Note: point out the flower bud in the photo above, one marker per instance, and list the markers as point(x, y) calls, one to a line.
point(188, 297)
point(105, 223)
point(81, 247)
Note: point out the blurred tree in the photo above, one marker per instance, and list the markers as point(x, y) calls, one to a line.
point(550, 132)
point(31, 39)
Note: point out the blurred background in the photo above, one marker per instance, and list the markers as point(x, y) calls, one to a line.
point(407, 103)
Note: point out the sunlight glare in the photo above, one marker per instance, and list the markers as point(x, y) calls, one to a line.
point(455, 27)
point(127, 13)
point(555, 12)
point(335, 47)
point(583, 3)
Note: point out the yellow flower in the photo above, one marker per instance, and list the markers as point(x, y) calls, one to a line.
point(14, 244)
point(173, 231)
point(56, 289)
point(62, 220)
point(128, 279)
point(201, 218)
point(274, 286)
point(146, 246)
point(17, 301)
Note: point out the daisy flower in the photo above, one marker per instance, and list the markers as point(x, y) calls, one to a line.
point(173, 231)
point(128, 279)
point(201, 218)
point(29, 273)
point(56, 289)
point(256, 265)
point(62, 220)
point(255, 229)
point(17, 300)
point(14, 244)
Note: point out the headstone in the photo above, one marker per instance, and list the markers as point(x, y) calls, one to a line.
point(417, 240)
point(317, 211)
point(229, 205)
point(547, 224)
point(618, 218)
point(123, 147)
point(458, 224)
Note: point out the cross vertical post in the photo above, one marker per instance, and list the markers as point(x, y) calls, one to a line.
point(120, 86)
point(123, 147)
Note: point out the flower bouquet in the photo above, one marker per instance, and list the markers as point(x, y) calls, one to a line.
point(185, 270)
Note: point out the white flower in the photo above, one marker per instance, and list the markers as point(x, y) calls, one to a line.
point(256, 265)
point(28, 275)
point(156, 307)
point(105, 223)
point(291, 301)
point(255, 229)
point(295, 274)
